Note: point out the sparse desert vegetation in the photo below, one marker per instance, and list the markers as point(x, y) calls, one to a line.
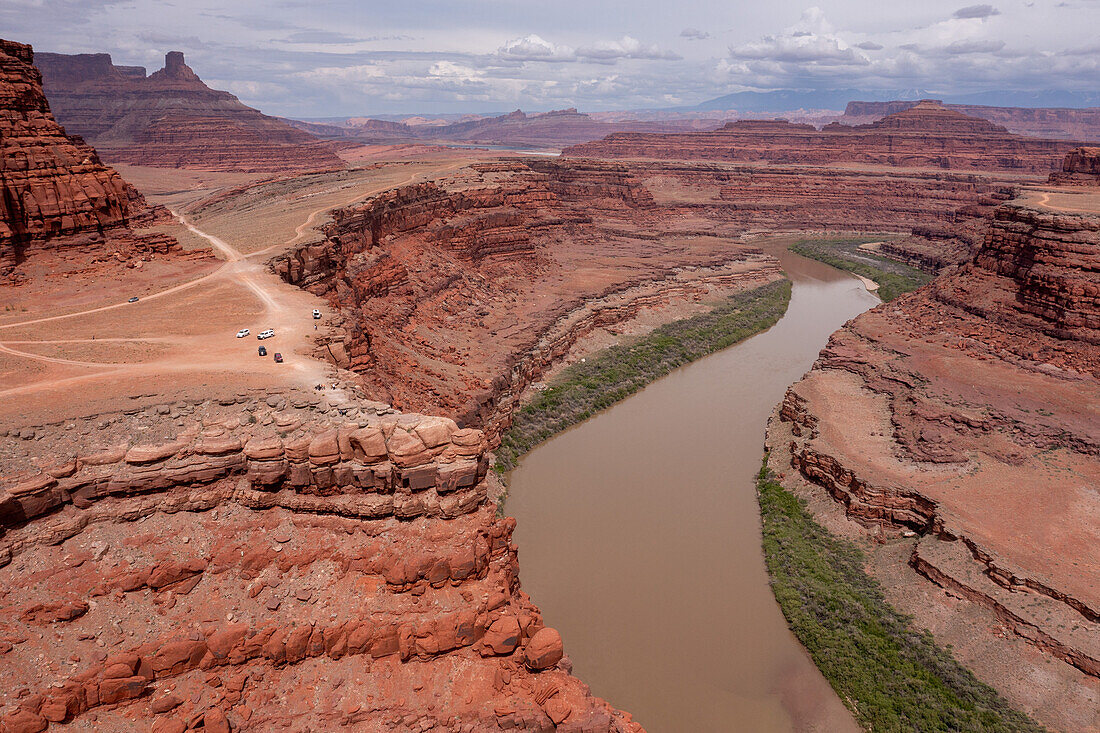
point(585, 388)
point(893, 278)
point(890, 675)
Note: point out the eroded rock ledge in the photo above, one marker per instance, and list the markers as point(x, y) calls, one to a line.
point(967, 415)
point(54, 190)
point(926, 135)
point(458, 293)
point(267, 562)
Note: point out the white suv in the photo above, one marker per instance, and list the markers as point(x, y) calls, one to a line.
point(316, 313)
point(265, 334)
point(242, 333)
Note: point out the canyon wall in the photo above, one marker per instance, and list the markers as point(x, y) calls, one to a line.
point(968, 414)
point(925, 136)
point(1043, 122)
point(459, 293)
point(555, 128)
point(1080, 168)
point(268, 561)
point(172, 119)
point(56, 191)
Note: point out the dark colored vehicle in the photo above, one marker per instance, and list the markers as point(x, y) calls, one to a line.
point(278, 358)
point(132, 300)
point(263, 351)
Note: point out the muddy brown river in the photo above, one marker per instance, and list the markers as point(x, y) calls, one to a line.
point(639, 536)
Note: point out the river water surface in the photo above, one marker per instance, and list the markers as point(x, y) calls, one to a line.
point(639, 536)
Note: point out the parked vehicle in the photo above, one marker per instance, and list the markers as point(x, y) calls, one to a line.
point(278, 358)
point(242, 333)
point(263, 351)
point(316, 313)
point(265, 334)
point(134, 300)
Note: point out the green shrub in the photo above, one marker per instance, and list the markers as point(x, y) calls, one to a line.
point(583, 389)
point(893, 278)
point(891, 676)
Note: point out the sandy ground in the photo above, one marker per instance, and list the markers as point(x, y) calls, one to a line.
point(71, 344)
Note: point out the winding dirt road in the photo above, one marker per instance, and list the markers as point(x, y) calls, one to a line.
point(284, 308)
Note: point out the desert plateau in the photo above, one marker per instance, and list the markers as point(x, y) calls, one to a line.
point(745, 378)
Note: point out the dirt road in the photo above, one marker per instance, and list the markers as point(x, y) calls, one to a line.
point(197, 320)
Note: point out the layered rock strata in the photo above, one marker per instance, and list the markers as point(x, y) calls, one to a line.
point(968, 413)
point(555, 128)
point(56, 191)
point(264, 563)
point(459, 293)
point(1054, 123)
point(925, 136)
point(172, 119)
point(1080, 168)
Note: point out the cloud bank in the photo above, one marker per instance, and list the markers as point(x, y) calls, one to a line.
point(346, 57)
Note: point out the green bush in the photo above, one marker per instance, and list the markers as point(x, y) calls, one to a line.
point(893, 278)
point(583, 389)
point(892, 677)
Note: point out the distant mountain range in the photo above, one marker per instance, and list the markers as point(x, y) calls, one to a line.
point(781, 100)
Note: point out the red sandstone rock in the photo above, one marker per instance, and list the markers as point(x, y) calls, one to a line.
point(56, 191)
point(1080, 168)
point(928, 135)
point(544, 649)
point(459, 293)
point(378, 617)
point(24, 721)
point(503, 636)
point(172, 119)
point(214, 721)
point(555, 128)
point(966, 413)
point(1050, 123)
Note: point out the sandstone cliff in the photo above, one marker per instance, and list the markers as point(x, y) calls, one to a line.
point(556, 128)
point(1080, 168)
point(172, 119)
point(926, 136)
point(1044, 122)
point(459, 293)
point(56, 191)
point(266, 562)
point(968, 413)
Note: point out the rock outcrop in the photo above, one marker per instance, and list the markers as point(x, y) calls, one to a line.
point(56, 191)
point(926, 136)
point(172, 119)
point(263, 563)
point(459, 293)
point(1044, 122)
point(555, 128)
point(1080, 168)
point(968, 413)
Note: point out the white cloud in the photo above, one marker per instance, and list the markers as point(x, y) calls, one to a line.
point(535, 48)
point(626, 47)
point(341, 57)
point(454, 71)
point(810, 41)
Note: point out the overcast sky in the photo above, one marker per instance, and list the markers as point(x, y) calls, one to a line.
point(312, 58)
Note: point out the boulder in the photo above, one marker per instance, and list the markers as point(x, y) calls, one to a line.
point(503, 635)
point(544, 649)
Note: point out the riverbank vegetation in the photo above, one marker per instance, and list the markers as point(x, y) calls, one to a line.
point(584, 388)
point(893, 278)
point(892, 677)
